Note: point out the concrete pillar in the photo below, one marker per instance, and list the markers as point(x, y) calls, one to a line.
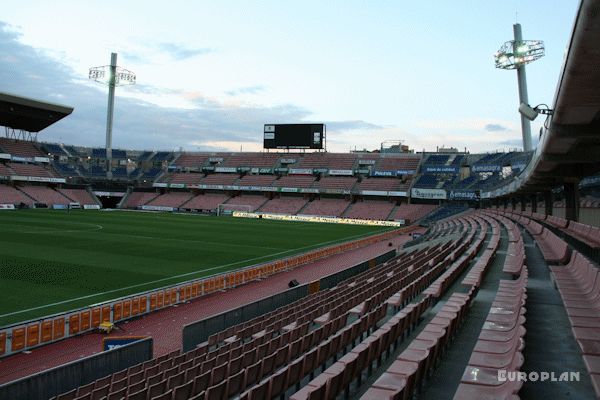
point(548, 202)
point(534, 202)
point(571, 191)
point(523, 201)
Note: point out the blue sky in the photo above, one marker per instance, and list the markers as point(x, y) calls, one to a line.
point(210, 74)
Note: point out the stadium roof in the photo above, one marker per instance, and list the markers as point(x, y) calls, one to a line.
point(28, 114)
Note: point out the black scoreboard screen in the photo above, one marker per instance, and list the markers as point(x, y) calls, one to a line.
point(294, 136)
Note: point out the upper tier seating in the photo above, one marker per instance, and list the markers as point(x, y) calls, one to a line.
point(256, 180)
point(185, 178)
point(252, 160)
point(10, 195)
point(382, 184)
point(295, 181)
point(370, 209)
point(219, 179)
point(5, 171)
point(326, 207)
point(209, 201)
point(46, 195)
point(20, 148)
point(284, 205)
point(30, 170)
point(336, 182)
point(191, 160)
point(408, 163)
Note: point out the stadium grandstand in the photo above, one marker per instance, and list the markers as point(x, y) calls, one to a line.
point(388, 274)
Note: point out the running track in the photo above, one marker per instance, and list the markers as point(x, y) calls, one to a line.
point(165, 326)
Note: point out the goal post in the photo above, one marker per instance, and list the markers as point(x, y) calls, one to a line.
point(228, 209)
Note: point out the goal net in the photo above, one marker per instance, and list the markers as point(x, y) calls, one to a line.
point(228, 209)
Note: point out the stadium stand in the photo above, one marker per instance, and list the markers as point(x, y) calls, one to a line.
point(45, 195)
point(294, 181)
point(219, 179)
point(284, 205)
point(30, 170)
point(10, 195)
point(256, 180)
point(20, 148)
point(80, 196)
point(370, 209)
point(188, 178)
point(190, 160)
point(326, 207)
point(412, 212)
point(209, 201)
point(336, 182)
point(254, 201)
point(136, 199)
point(383, 184)
point(253, 160)
point(171, 199)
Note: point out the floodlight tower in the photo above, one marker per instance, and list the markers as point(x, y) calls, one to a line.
point(515, 54)
point(112, 76)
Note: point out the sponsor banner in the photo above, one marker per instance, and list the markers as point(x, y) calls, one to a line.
point(7, 206)
point(463, 195)
point(244, 169)
point(486, 195)
point(440, 169)
point(225, 169)
point(405, 172)
point(314, 218)
point(320, 170)
point(373, 193)
point(281, 170)
point(22, 159)
point(289, 190)
point(435, 194)
point(114, 342)
point(269, 135)
point(177, 185)
point(288, 161)
point(4, 156)
point(91, 207)
point(110, 194)
point(41, 159)
point(308, 190)
point(486, 168)
point(362, 171)
point(159, 185)
point(208, 168)
point(399, 194)
point(59, 206)
point(4, 178)
point(265, 170)
point(300, 171)
point(344, 172)
point(383, 173)
point(37, 179)
point(366, 162)
point(254, 170)
point(215, 159)
point(519, 167)
point(157, 208)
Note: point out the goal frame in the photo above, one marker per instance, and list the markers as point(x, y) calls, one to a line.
point(233, 207)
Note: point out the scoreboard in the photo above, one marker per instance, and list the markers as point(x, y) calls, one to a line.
point(294, 136)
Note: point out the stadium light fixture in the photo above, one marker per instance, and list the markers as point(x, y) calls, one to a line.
point(515, 54)
point(531, 113)
point(113, 76)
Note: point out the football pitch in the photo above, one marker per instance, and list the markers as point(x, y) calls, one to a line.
point(53, 261)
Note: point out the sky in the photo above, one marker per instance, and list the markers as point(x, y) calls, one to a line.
point(210, 74)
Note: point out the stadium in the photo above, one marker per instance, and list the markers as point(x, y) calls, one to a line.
point(295, 271)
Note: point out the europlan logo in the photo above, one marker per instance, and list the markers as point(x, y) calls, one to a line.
point(537, 376)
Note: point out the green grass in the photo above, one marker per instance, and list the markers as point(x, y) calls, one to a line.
point(49, 256)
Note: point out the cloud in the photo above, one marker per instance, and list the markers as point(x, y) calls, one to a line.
point(351, 125)
point(246, 90)
point(180, 52)
point(495, 128)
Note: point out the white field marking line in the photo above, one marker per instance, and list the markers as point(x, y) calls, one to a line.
point(172, 277)
point(96, 227)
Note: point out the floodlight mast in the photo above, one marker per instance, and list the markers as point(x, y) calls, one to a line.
point(515, 54)
point(113, 76)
